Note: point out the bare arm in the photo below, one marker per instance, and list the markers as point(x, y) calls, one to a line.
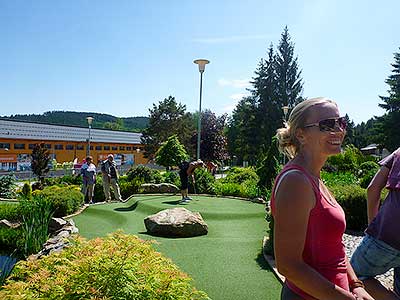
point(294, 201)
point(374, 192)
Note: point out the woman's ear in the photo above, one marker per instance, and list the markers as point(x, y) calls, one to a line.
point(300, 136)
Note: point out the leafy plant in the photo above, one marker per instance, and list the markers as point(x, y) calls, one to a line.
point(119, 266)
point(37, 213)
point(173, 178)
point(7, 186)
point(171, 153)
point(64, 200)
point(204, 182)
point(26, 191)
point(145, 174)
point(40, 161)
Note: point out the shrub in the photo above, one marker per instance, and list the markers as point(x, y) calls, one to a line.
point(348, 160)
point(26, 191)
point(173, 178)
point(353, 200)
point(128, 188)
point(247, 189)
point(338, 178)
point(64, 200)
point(239, 175)
point(7, 186)
point(205, 182)
point(117, 267)
point(10, 212)
point(64, 180)
point(11, 239)
point(145, 174)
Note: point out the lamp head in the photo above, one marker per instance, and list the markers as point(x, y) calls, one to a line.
point(90, 120)
point(285, 109)
point(202, 64)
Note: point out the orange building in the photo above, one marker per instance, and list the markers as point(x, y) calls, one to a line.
point(65, 144)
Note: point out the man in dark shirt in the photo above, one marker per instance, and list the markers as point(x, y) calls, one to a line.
point(110, 177)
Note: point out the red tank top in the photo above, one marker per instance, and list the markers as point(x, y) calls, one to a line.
point(323, 249)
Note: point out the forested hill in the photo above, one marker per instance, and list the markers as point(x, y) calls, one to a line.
point(73, 118)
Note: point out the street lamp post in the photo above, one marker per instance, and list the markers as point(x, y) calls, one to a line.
point(202, 65)
point(90, 121)
point(285, 112)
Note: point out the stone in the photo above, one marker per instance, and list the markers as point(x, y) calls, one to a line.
point(7, 224)
point(176, 222)
point(153, 188)
point(258, 200)
point(56, 224)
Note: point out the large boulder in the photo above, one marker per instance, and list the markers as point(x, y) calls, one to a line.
point(176, 222)
point(153, 188)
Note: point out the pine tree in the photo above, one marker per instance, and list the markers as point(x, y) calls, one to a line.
point(288, 77)
point(391, 103)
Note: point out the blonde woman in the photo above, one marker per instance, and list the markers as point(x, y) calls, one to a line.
point(309, 223)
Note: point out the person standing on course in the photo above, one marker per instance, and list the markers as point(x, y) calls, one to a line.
point(187, 169)
point(88, 172)
point(110, 178)
point(309, 223)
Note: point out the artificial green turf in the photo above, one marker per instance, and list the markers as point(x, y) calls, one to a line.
point(226, 263)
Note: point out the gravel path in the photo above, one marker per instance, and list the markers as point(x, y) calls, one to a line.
point(351, 242)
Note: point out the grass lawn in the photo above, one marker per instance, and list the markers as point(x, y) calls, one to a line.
point(226, 263)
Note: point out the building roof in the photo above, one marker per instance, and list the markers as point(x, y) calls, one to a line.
point(47, 132)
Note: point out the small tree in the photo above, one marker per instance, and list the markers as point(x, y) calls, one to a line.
point(40, 161)
point(171, 153)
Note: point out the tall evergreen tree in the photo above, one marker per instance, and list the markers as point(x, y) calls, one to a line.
point(166, 119)
point(40, 161)
point(391, 103)
point(288, 76)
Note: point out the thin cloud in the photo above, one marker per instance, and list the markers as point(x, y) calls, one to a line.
point(236, 83)
point(231, 39)
point(237, 97)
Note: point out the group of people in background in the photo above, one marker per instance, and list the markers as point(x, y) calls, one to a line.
point(309, 223)
point(110, 176)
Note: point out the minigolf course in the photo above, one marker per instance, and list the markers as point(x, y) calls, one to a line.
point(227, 263)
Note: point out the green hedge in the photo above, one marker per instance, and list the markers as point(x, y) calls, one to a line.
point(65, 200)
point(144, 174)
point(10, 212)
point(120, 266)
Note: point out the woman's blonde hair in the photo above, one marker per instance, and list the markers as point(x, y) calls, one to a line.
point(287, 141)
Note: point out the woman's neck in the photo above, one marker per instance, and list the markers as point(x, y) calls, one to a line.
point(311, 163)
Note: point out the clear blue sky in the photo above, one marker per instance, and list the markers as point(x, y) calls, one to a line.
point(120, 57)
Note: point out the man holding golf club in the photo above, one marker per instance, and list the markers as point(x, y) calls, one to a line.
point(187, 169)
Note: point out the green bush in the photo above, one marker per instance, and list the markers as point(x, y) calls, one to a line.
point(173, 178)
point(239, 175)
point(26, 191)
point(247, 189)
point(205, 182)
point(64, 180)
point(128, 188)
point(144, 174)
point(348, 160)
point(10, 212)
point(65, 200)
point(117, 267)
point(338, 178)
point(7, 186)
point(98, 190)
point(353, 200)
point(11, 239)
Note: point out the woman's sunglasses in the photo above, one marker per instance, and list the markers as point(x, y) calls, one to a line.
point(330, 125)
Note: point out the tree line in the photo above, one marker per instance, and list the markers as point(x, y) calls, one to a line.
point(74, 118)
